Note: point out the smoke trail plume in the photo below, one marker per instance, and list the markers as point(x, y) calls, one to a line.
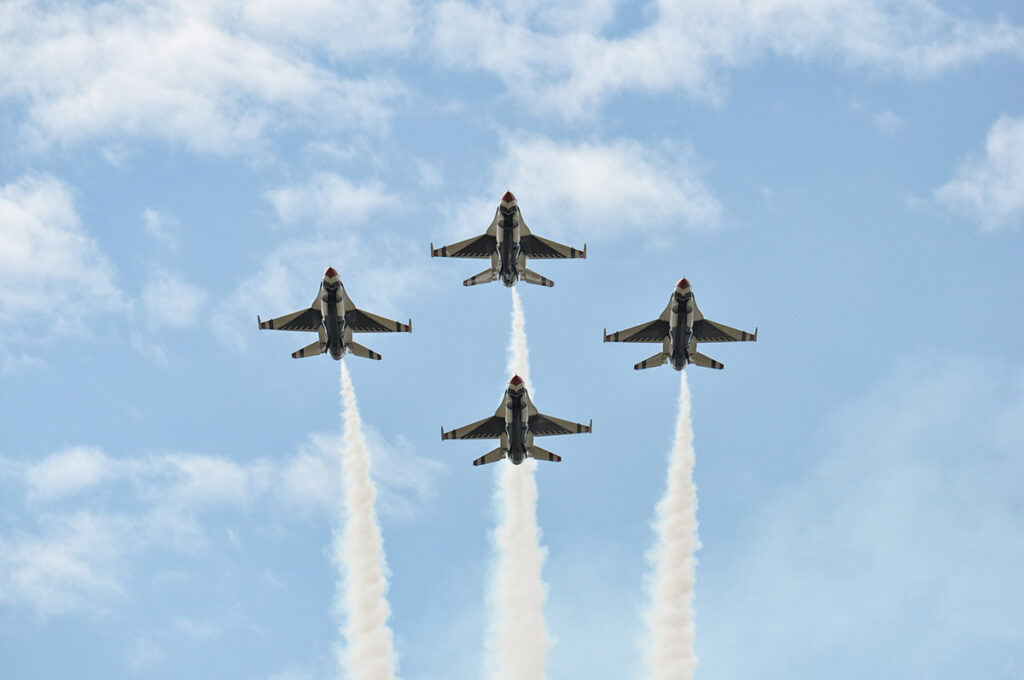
point(518, 641)
point(368, 652)
point(669, 617)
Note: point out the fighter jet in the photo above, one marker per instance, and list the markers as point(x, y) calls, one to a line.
point(516, 423)
point(679, 328)
point(334, 317)
point(508, 242)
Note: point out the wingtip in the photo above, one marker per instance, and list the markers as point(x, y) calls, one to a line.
point(604, 331)
point(590, 426)
point(410, 325)
point(259, 322)
point(584, 251)
point(755, 333)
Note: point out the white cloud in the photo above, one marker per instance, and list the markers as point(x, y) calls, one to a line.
point(591, 189)
point(573, 68)
point(328, 199)
point(171, 301)
point(990, 189)
point(194, 73)
point(49, 265)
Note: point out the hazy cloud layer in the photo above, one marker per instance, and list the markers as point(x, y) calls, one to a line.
point(988, 188)
point(572, 67)
point(908, 516)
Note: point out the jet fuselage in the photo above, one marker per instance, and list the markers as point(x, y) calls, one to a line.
point(680, 335)
point(517, 429)
point(508, 249)
point(332, 309)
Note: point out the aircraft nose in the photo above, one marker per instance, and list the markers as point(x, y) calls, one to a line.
point(330, 273)
point(509, 197)
point(683, 283)
point(516, 380)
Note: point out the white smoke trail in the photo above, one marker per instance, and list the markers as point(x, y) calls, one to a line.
point(368, 652)
point(670, 654)
point(518, 641)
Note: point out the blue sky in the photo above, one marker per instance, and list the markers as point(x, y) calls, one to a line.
point(848, 177)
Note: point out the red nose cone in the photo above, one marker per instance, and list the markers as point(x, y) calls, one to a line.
point(516, 380)
point(509, 197)
point(330, 273)
point(683, 283)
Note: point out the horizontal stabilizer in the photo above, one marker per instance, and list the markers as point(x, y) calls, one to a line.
point(360, 351)
point(535, 278)
point(656, 360)
point(311, 350)
point(492, 457)
point(486, 276)
point(543, 454)
point(705, 361)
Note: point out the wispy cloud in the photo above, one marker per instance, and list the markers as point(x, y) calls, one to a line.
point(573, 68)
point(989, 188)
point(203, 75)
point(48, 260)
point(161, 227)
point(887, 122)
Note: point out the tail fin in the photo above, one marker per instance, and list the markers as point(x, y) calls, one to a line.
point(360, 351)
point(542, 454)
point(535, 278)
point(705, 361)
point(486, 276)
point(492, 457)
point(652, 361)
point(313, 349)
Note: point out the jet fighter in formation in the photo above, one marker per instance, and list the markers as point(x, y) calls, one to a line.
point(334, 318)
point(679, 328)
point(516, 423)
point(508, 242)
